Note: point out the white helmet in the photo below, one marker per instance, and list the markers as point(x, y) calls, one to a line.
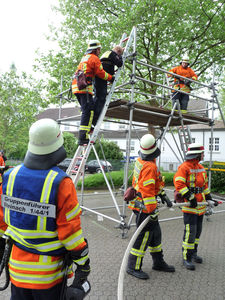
point(185, 59)
point(93, 44)
point(194, 150)
point(44, 137)
point(148, 145)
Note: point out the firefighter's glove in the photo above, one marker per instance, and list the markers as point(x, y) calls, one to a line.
point(187, 82)
point(208, 197)
point(112, 80)
point(165, 199)
point(193, 201)
point(2, 248)
point(81, 274)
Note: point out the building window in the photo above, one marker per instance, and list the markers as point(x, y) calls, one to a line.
point(170, 167)
point(132, 145)
point(106, 125)
point(214, 144)
point(193, 140)
point(122, 126)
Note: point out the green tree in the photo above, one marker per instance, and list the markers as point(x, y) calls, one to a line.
point(70, 143)
point(20, 100)
point(167, 29)
point(107, 149)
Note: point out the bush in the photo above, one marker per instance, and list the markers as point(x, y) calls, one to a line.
point(98, 181)
point(218, 177)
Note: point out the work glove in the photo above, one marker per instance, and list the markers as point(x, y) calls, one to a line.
point(112, 80)
point(187, 82)
point(165, 199)
point(193, 201)
point(209, 197)
point(190, 197)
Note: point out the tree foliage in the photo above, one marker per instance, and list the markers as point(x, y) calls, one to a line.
point(166, 30)
point(20, 101)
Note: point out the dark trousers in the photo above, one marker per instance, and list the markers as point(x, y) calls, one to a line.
point(87, 108)
point(18, 293)
point(192, 232)
point(183, 100)
point(150, 237)
point(100, 89)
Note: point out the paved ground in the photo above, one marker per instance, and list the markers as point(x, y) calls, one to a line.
point(107, 249)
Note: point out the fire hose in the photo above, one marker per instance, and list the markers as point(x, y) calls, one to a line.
point(133, 239)
point(5, 261)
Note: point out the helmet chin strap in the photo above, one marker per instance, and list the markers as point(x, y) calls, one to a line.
point(46, 161)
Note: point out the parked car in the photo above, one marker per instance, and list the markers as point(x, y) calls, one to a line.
point(65, 164)
point(93, 166)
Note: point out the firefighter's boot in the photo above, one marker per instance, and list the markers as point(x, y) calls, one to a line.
point(159, 263)
point(134, 267)
point(83, 137)
point(188, 264)
point(196, 258)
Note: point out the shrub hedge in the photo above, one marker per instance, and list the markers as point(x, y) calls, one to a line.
point(98, 181)
point(218, 177)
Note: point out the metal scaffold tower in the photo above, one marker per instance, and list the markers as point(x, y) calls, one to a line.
point(141, 113)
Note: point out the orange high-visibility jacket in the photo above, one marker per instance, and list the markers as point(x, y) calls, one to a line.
point(186, 72)
point(92, 66)
point(148, 181)
point(33, 271)
point(191, 174)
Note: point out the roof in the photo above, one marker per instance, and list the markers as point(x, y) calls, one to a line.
point(53, 113)
point(218, 125)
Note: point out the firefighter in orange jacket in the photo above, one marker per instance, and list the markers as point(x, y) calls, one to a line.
point(148, 182)
point(191, 183)
point(43, 217)
point(181, 84)
point(92, 66)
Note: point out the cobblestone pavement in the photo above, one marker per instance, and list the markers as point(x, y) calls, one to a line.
point(107, 248)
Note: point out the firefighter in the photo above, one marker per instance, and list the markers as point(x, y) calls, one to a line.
point(43, 216)
point(181, 84)
point(148, 182)
point(109, 60)
point(91, 66)
point(191, 183)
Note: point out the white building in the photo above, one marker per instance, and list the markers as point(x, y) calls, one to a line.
point(117, 132)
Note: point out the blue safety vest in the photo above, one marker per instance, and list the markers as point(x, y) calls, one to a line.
point(29, 200)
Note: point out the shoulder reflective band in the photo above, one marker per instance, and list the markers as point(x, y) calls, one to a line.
point(28, 207)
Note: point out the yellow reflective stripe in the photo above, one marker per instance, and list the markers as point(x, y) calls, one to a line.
point(73, 213)
point(187, 245)
point(206, 191)
point(91, 118)
point(149, 200)
point(31, 234)
point(180, 178)
point(50, 246)
point(150, 181)
point(37, 279)
point(83, 127)
point(137, 252)
point(74, 240)
point(192, 180)
point(105, 55)
point(189, 209)
point(183, 191)
point(45, 195)
point(36, 266)
point(9, 190)
point(143, 245)
point(155, 249)
point(82, 260)
point(196, 241)
point(1, 232)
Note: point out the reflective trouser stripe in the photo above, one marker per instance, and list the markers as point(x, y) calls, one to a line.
point(187, 245)
point(155, 249)
point(139, 253)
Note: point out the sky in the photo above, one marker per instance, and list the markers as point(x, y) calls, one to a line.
point(23, 25)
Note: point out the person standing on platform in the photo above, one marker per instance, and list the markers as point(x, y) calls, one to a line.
point(181, 84)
